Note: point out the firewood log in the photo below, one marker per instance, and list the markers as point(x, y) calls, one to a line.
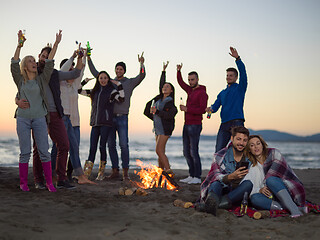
point(141, 192)
point(261, 214)
point(180, 203)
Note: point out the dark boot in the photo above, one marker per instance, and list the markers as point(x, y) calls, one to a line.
point(212, 203)
point(114, 175)
point(69, 170)
point(225, 202)
point(125, 174)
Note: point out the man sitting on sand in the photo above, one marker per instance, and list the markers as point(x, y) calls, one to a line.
point(222, 188)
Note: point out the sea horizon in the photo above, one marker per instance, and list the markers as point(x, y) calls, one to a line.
point(299, 155)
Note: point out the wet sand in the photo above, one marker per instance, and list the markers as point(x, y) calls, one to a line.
point(99, 212)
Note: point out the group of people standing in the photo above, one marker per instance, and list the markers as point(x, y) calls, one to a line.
point(47, 102)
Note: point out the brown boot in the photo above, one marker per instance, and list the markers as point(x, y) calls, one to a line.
point(102, 166)
point(114, 175)
point(87, 169)
point(125, 174)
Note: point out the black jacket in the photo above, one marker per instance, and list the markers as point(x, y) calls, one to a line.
point(102, 107)
point(167, 114)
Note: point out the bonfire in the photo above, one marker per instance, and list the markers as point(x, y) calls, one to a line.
point(154, 177)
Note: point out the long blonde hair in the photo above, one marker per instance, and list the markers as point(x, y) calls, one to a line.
point(23, 67)
point(251, 157)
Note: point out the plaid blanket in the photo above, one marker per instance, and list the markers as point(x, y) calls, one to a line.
point(276, 166)
point(216, 173)
point(273, 213)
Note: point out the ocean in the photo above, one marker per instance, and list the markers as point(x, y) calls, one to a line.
point(300, 155)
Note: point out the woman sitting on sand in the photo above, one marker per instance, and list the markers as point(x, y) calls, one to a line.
point(161, 110)
point(102, 97)
point(273, 180)
point(31, 87)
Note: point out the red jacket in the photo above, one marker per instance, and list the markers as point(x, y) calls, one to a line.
point(196, 102)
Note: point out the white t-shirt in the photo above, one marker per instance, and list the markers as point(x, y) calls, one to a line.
point(256, 176)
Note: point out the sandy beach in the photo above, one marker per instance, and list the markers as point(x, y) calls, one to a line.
point(99, 212)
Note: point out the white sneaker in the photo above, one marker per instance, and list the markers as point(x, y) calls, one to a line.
point(195, 181)
point(186, 180)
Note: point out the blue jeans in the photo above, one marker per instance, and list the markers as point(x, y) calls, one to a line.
point(120, 125)
point(260, 201)
point(69, 165)
point(191, 137)
point(74, 141)
point(101, 132)
point(224, 133)
point(40, 131)
point(234, 195)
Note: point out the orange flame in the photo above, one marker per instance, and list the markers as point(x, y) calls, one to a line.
point(151, 176)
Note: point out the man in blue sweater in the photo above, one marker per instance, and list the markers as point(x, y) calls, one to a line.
point(231, 99)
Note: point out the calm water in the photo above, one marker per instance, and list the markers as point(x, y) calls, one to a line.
point(299, 155)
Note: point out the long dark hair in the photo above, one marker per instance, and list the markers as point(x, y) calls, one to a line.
point(98, 85)
point(171, 94)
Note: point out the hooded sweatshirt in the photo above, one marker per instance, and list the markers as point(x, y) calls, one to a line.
point(196, 102)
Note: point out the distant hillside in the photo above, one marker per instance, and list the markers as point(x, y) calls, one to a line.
point(276, 136)
point(270, 135)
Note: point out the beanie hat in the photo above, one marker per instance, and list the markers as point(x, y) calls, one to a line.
point(123, 65)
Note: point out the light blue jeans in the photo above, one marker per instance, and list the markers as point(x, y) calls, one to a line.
point(260, 201)
point(120, 125)
point(40, 132)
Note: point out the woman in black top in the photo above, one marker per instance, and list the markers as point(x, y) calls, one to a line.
point(161, 110)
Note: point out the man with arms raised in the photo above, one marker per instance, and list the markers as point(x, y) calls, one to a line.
point(231, 99)
point(222, 188)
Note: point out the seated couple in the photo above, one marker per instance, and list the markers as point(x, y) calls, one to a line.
point(270, 181)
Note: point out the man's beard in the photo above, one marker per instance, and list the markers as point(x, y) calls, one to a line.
point(194, 86)
point(236, 150)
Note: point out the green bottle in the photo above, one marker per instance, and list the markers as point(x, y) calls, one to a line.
point(88, 49)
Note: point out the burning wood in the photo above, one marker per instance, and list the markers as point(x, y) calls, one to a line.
point(153, 177)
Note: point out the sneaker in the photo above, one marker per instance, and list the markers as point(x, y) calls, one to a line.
point(186, 180)
point(40, 185)
point(195, 180)
point(65, 184)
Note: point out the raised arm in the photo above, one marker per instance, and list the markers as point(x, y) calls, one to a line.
point(55, 45)
point(92, 68)
point(15, 67)
point(74, 73)
point(182, 84)
point(243, 80)
point(163, 76)
point(21, 40)
point(138, 79)
point(67, 65)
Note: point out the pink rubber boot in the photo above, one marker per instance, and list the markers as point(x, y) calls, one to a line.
point(23, 172)
point(47, 170)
